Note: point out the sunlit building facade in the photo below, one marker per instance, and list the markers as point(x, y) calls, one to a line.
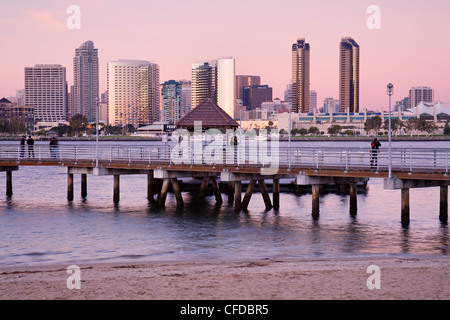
point(133, 93)
point(349, 75)
point(300, 76)
point(46, 91)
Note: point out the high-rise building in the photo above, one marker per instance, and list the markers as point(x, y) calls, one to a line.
point(349, 75)
point(171, 101)
point(330, 105)
point(215, 80)
point(85, 81)
point(300, 76)
point(254, 96)
point(420, 94)
point(185, 97)
point(133, 92)
point(46, 91)
point(243, 81)
point(312, 101)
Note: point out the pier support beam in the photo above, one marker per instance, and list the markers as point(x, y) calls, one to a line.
point(70, 187)
point(203, 188)
point(237, 195)
point(150, 186)
point(164, 190)
point(265, 194)
point(353, 199)
point(116, 196)
point(9, 188)
point(276, 194)
point(315, 201)
point(405, 207)
point(248, 194)
point(216, 190)
point(230, 190)
point(443, 208)
point(177, 192)
point(84, 185)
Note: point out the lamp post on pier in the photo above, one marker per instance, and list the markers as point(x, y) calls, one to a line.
point(390, 91)
point(96, 133)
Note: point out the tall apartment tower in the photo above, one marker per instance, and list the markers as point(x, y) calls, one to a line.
point(185, 97)
point(300, 76)
point(133, 92)
point(46, 90)
point(420, 94)
point(215, 80)
point(85, 81)
point(171, 101)
point(349, 75)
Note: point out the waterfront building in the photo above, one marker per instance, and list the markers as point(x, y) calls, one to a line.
point(349, 75)
point(24, 114)
point(300, 76)
point(420, 94)
point(133, 92)
point(331, 105)
point(85, 90)
point(46, 91)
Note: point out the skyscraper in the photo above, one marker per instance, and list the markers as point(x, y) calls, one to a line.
point(133, 92)
point(420, 94)
point(243, 81)
point(185, 97)
point(215, 80)
point(300, 76)
point(171, 101)
point(46, 90)
point(85, 81)
point(349, 75)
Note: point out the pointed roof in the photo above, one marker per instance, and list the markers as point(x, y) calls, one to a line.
point(211, 116)
point(4, 100)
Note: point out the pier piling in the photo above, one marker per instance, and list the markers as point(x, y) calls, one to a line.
point(177, 192)
point(405, 207)
point(276, 193)
point(116, 196)
point(315, 201)
point(353, 199)
point(237, 196)
point(265, 194)
point(216, 190)
point(70, 186)
point(164, 190)
point(443, 208)
point(9, 188)
point(84, 185)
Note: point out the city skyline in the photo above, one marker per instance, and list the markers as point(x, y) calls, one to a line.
point(37, 34)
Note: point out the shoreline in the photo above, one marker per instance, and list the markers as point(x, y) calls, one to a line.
point(405, 278)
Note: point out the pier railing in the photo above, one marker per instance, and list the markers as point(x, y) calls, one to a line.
point(403, 159)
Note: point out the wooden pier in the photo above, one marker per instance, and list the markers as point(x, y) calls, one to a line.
point(345, 168)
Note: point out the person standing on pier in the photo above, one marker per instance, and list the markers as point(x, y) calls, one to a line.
point(22, 147)
point(53, 147)
point(30, 143)
point(374, 157)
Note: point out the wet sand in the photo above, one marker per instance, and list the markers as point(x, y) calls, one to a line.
point(341, 279)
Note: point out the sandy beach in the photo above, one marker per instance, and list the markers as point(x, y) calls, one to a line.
point(343, 279)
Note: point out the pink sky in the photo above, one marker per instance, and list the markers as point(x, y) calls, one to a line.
point(411, 49)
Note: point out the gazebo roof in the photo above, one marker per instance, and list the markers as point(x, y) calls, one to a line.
point(211, 116)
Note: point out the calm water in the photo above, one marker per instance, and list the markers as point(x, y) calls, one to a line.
point(39, 226)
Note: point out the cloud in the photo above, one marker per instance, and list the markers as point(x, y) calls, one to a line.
point(47, 20)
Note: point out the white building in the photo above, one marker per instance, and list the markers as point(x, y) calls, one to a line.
point(214, 79)
point(46, 90)
point(133, 92)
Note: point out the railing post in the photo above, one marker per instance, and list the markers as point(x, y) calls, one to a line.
point(346, 160)
point(410, 161)
point(446, 161)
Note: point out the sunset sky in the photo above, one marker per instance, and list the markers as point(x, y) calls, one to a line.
point(412, 48)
